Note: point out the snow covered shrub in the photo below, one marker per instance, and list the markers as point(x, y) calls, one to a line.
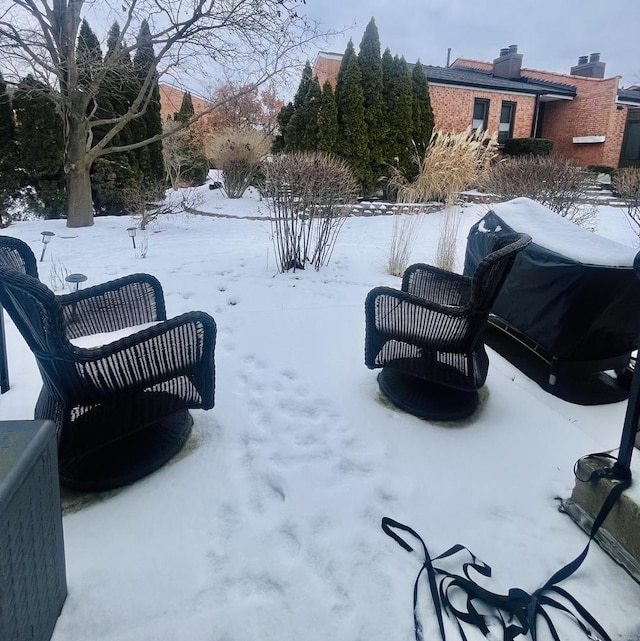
point(452, 163)
point(307, 194)
point(627, 185)
point(555, 182)
point(239, 154)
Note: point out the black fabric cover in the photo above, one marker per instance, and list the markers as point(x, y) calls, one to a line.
point(575, 311)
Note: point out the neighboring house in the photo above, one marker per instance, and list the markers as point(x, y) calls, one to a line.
point(589, 119)
point(171, 101)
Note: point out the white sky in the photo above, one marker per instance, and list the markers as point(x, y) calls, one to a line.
point(550, 34)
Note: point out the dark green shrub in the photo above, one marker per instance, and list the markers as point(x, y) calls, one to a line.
point(602, 169)
point(528, 147)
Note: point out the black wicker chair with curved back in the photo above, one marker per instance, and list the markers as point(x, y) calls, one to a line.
point(428, 337)
point(14, 254)
point(121, 409)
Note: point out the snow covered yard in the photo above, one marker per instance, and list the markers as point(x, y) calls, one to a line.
point(268, 525)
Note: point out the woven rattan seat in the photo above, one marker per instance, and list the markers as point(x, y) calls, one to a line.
point(431, 332)
point(121, 409)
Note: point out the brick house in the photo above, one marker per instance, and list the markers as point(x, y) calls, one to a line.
point(171, 101)
point(588, 117)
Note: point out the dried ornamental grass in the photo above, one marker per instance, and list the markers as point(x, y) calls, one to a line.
point(452, 163)
point(239, 154)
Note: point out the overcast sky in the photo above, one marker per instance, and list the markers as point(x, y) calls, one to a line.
point(550, 34)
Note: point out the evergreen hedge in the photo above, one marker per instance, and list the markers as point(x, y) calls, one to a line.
point(528, 147)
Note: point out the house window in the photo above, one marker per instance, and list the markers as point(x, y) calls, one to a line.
point(507, 116)
point(480, 114)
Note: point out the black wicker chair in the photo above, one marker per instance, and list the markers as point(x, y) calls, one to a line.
point(428, 337)
point(14, 254)
point(121, 410)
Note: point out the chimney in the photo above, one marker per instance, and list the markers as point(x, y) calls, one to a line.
point(508, 63)
point(589, 66)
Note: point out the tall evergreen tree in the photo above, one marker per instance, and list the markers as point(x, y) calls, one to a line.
point(40, 146)
point(283, 118)
point(352, 129)
point(370, 64)
point(422, 112)
point(7, 125)
point(297, 120)
point(303, 87)
point(88, 54)
point(328, 121)
point(186, 108)
point(8, 172)
point(150, 160)
point(113, 174)
point(311, 109)
point(398, 98)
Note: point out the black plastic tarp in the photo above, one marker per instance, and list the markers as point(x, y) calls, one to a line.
point(575, 311)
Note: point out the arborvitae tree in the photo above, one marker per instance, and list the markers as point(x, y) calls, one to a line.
point(371, 69)
point(40, 146)
point(352, 136)
point(7, 125)
point(285, 115)
point(186, 109)
point(311, 109)
point(328, 121)
point(150, 160)
point(422, 112)
point(8, 173)
point(191, 145)
point(303, 87)
point(114, 174)
point(398, 97)
point(297, 118)
point(88, 54)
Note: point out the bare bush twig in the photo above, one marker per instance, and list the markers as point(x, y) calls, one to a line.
point(627, 185)
point(57, 275)
point(554, 182)
point(306, 194)
point(146, 202)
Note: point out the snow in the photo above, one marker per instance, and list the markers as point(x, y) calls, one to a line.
point(267, 525)
point(562, 236)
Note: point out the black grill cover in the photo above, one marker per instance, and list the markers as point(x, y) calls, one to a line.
point(575, 310)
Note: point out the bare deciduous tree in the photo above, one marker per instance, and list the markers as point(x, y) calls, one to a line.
point(178, 153)
point(256, 39)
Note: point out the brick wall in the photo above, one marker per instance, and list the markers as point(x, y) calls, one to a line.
point(453, 108)
point(326, 69)
point(593, 112)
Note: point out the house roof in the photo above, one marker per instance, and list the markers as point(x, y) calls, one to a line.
point(468, 77)
point(631, 94)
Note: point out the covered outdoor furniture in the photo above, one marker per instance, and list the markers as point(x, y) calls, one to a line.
point(120, 409)
point(428, 337)
point(572, 297)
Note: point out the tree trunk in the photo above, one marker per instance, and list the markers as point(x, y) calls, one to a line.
point(77, 168)
point(80, 208)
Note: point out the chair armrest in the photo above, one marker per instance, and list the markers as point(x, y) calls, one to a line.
point(183, 345)
point(433, 283)
point(119, 303)
point(397, 315)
